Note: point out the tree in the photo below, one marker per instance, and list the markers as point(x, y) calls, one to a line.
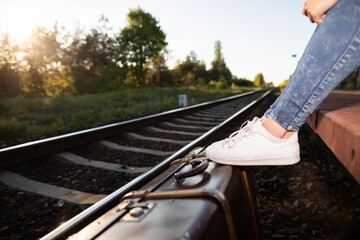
point(222, 83)
point(243, 82)
point(159, 66)
point(90, 56)
point(189, 71)
point(96, 49)
point(43, 60)
point(270, 84)
point(218, 66)
point(259, 80)
point(139, 42)
point(158, 72)
point(9, 75)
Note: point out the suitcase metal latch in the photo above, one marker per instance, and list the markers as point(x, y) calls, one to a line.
point(199, 163)
point(138, 210)
point(213, 194)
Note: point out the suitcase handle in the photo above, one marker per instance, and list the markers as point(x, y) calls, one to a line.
point(198, 162)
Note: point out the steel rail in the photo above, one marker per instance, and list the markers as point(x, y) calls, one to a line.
point(90, 214)
point(30, 150)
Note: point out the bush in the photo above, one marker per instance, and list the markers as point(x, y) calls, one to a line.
point(243, 82)
point(10, 129)
point(284, 83)
point(212, 84)
point(259, 80)
point(222, 83)
point(201, 81)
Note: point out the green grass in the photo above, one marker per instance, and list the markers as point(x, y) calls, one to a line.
point(23, 116)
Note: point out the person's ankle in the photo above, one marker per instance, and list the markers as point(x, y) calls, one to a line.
point(275, 129)
point(287, 135)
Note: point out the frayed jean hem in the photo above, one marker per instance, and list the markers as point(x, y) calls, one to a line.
point(278, 120)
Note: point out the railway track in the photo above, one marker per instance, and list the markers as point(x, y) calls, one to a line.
point(69, 173)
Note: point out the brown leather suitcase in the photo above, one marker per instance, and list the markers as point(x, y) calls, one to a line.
point(215, 203)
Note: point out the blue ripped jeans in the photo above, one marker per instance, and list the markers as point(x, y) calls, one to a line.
point(331, 55)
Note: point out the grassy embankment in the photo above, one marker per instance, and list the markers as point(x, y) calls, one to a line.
point(23, 116)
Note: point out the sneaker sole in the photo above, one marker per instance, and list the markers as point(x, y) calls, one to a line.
point(260, 162)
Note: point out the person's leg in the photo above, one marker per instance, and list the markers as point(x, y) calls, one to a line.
point(275, 129)
point(332, 54)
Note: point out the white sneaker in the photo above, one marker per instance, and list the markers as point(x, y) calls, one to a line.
point(253, 145)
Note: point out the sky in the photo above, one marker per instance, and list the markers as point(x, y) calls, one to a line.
point(257, 36)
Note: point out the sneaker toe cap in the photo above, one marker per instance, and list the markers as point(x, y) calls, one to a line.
point(215, 150)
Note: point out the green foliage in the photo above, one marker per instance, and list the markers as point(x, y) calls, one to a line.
point(10, 129)
point(9, 81)
point(218, 52)
point(132, 78)
point(9, 75)
point(222, 83)
point(242, 82)
point(157, 73)
point(259, 80)
point(218, 66)
point(54, 62)
point(201, 81)
point(270, 84)
point(94, 51)
point(212, 84)
point(139, 42)
point(111, 77)
point(284, 83)
point(43, 60)
point(189, 71)
point(91, 57)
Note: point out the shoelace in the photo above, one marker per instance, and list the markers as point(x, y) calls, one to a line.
point(244, 131)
